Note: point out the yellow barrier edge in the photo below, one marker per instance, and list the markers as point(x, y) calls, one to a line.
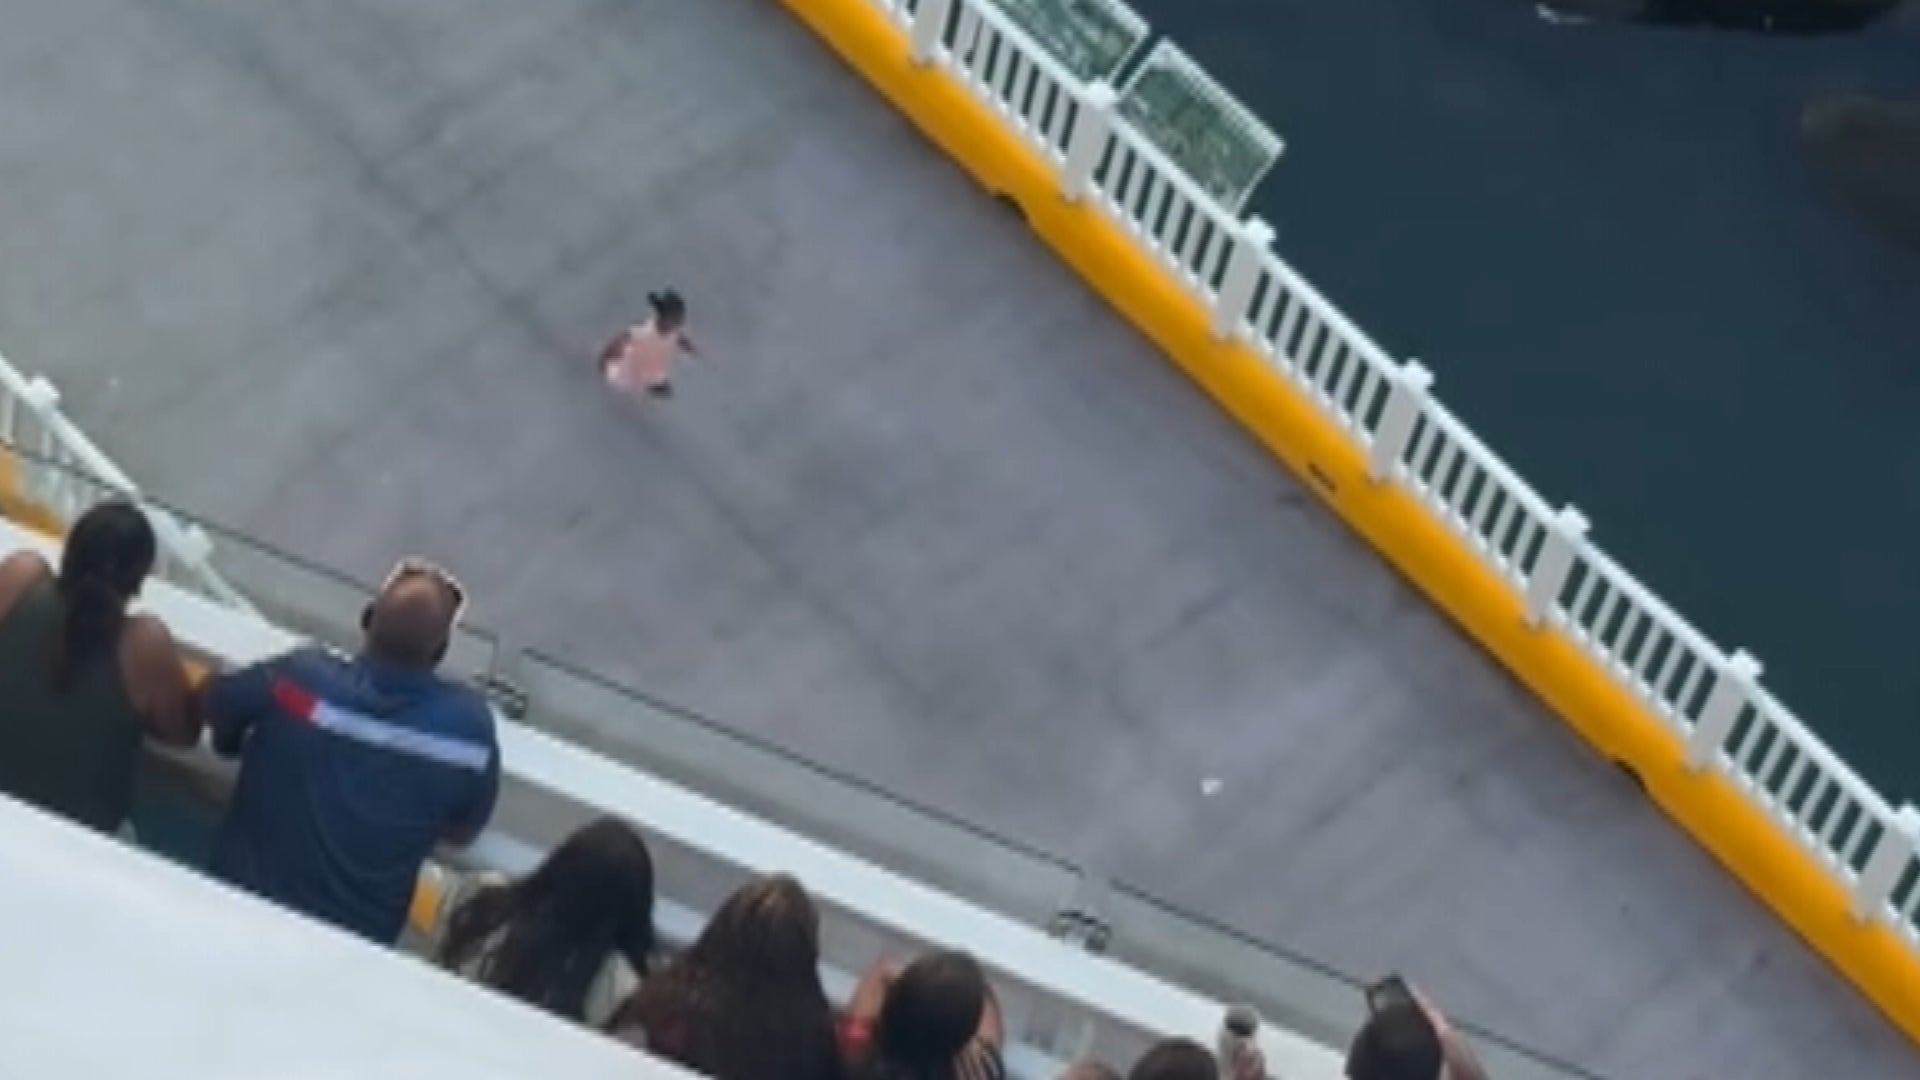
point(17, 506)
point(1707, 805)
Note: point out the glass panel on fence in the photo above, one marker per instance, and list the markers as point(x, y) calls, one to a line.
point(836, 810)
point(47, 490)
point(326, 605)
point(287, 590)
point(1091, 39)
point(1187, 116)
point(1289, 990)
point(38, 488)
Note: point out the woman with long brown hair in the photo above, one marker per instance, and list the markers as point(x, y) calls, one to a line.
point(745, 1001)
point(574, 936)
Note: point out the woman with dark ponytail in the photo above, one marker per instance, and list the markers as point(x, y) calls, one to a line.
point(574, 937)
point(82, 680)
point(935, 1019)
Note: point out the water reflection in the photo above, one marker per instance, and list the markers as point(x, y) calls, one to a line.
point(1610, 245)
point(1758, 16)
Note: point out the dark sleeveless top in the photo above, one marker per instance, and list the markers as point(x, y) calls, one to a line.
point(70, 753)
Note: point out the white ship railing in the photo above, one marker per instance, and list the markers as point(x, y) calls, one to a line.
point(1706, 696)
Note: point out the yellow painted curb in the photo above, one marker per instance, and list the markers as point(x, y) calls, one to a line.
point(17, 506)
point(428, 907)
point(1708, 806)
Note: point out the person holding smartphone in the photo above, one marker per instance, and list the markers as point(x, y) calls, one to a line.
point(1407, 1038)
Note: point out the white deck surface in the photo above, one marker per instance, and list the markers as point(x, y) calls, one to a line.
point(122, 965)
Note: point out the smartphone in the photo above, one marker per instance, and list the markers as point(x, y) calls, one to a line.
point(1388, 992)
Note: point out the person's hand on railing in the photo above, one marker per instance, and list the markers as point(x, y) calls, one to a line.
point(1462, 1063)
point(1248, 1064)
point(870, 993)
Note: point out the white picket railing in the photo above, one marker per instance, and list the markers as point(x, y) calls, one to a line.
point(1027, 89)
point(1707, 698)
point(1165, 211)
point(30, 419)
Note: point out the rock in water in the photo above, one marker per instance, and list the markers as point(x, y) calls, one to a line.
point(1764, 16)
point(1866, 155)
point(1583, 11)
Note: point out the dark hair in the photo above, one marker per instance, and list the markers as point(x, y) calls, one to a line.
point(1396, 1043)
point(745, 1001)
point(668, 306)
point(551, 932)
point(931, 1013)
point(107, 556)
point(1175, 1059)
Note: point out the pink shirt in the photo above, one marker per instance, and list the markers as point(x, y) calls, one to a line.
point(645, 358)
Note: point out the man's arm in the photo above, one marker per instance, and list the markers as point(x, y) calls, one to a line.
point(233, 702)
point(477, 809)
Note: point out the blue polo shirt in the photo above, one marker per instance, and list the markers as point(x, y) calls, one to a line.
point(351, 772)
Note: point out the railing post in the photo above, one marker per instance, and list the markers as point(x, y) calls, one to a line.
point(1407, 395)
point(1898, 843)
point(1091, 125)
point(1244, 266)
point(1565, 533)
point(1081, 918)
point(48, 482)
point(42, 396)
point(929, 26)
point(194, 545)
point(1732, 690)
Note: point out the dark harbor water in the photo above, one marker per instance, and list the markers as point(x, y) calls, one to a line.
point(1607, 244)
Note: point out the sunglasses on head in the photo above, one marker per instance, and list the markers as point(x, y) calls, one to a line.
point(413, 566)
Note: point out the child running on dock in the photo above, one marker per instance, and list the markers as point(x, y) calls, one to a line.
point(640, 359)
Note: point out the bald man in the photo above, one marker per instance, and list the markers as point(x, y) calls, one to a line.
point(353, 769)
point(409, 624)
